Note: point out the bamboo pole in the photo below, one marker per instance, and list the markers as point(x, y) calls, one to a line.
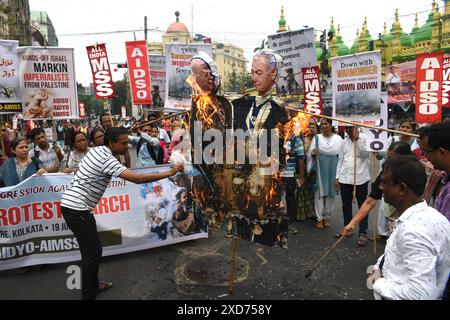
point(354, 166)
point(232, 263)
point(159, 119)
point(355, 123)
point(2, 142)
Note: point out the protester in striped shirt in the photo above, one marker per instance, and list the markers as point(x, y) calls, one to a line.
point(85, 191)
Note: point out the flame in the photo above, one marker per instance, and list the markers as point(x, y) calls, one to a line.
point(297, 125)
point(207, 106)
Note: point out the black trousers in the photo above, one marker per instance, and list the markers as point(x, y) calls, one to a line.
point(83, 226)
point(291, 203)
point(347, 199)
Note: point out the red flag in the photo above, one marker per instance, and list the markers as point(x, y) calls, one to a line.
point(313, 95)
point(139, 72)
point(429, 87)
point(98, 59)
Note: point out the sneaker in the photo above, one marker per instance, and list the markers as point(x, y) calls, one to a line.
point(293, 229)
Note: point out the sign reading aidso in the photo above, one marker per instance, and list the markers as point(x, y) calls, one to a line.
point(313, 96)
point(101, 72)
point(429, 87)
point(139, 72)
point(47, 82)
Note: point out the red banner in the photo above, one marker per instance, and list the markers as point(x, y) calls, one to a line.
point(101, 72)
point(429, 87)
point(313, 95)
point(139, 72)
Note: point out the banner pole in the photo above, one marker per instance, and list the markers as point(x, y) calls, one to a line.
point(159, 119)
point(232, 263)
point(354, 123)
point(354, 168)
point(4, 157)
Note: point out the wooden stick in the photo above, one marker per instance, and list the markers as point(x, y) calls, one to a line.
point(355, 123)
point(354, 170)
point(309, 272)
point(232, 263)
point(159, 119)
point(2, 142)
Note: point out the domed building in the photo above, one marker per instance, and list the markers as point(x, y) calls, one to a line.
point(230, 59)
point(177, 32)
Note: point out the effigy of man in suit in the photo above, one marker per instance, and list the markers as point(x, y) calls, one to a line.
point(256, 177)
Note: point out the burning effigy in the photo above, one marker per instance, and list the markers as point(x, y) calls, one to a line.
point(238, 152)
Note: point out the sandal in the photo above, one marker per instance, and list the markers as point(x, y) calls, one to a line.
point(103, 286)
point(362, 240)
point(319, 224)
point(326, 224)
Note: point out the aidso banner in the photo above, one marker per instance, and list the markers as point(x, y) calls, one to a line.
point(10, 97)
point(357, 87)
point(138, 70)
point(297, 48)
point(47, 81)
point(158, 75)
point(129, 217)
point(429, 87)
point(178, 69)
point(377, 140)
point(101, 71)
point(313, 92)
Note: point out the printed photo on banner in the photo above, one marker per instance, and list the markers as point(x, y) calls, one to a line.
point(130, 217)
point(178, 70)
point(10, 94)
point(297, 48)
point(357, 87)
point(401, 84)
point(47, 81)
point(158, 77)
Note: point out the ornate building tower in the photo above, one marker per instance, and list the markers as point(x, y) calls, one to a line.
point(282, 22)
point(445, 33)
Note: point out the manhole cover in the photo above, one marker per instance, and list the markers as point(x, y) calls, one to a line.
point(215, 269)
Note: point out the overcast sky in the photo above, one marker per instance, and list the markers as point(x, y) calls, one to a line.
point(243, 23)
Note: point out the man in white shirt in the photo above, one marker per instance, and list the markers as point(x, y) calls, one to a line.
point(416, 260)
point(347, 177)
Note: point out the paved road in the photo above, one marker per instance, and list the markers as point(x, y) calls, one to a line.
point(200, 270)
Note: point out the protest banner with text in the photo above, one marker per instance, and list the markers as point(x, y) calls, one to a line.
point(178, 70)
point(298, 50)
point(313, 91)
point(357, 88)
point(101, 71)
point(130, 217)
point(139, 72)
point(10, 94)
point(429, 87)
point(47, 81)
